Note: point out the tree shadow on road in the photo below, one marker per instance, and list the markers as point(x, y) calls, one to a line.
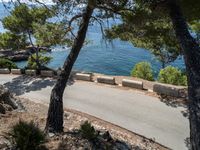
point(24, 84)
point(175, 103)
point(187, 143)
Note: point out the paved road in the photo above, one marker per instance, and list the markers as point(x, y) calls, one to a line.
point(130, 109)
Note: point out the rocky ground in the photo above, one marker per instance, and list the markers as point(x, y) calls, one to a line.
point(109, 135)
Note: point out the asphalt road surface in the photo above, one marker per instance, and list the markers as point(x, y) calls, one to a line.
point(143, 114)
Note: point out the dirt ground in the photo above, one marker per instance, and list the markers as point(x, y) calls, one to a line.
point(72, 120)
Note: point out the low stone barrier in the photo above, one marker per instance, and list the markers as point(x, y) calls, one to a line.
point(132, 84)
point(84, 77)
point(4, 71)
point(46, 73)
point(169, 90)
point(30, 72)
point(106, 80)
point(16, 71)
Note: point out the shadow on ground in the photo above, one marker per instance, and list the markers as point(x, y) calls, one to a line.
point(187, 143)
point(175, 103)
point(74, 140)
point(24, 84)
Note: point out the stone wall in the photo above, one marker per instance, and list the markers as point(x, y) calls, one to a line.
point(128, 82)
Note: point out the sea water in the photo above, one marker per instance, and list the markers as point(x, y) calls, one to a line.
point(112, 58)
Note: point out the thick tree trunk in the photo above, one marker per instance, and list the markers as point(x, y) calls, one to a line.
point(55, 113)
point(191, 51)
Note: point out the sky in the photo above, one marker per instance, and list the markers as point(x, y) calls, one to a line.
point(27, 1)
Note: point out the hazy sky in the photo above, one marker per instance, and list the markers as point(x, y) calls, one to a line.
point(27, 1)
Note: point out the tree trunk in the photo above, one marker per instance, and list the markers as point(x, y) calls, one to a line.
point(55, 113)
point(36, 49)
point(191, 51)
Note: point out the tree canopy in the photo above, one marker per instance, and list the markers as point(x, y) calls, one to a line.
point(30, 25)
point(149, 26)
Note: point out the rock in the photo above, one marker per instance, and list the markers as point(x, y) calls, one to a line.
point(7, 107)
point(6, 100)
point(122, 146)
point(22, 52)
point(32, 49)
point(2, 109)
point(4, 93)
point(2, 55)
point(7, 52)
point(19, 57)
point(51, 135)
point(107, 136)
point(5, 144)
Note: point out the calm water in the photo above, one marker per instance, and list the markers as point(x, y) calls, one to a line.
point(116, 58)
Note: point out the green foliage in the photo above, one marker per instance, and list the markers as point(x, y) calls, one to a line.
point(149, 26)
point(88, 131)
point(5, 63)
point(43, 60)
point(147, 30)
point(9, 40)
point(172, 75)
point(26, 136)
point(22, 18)
point(51, 34)
point(32, 21)
point(143, 70)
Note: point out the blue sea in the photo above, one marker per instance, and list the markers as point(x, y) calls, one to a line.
point(111, 58)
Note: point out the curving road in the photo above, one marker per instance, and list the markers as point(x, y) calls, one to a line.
point(133, 110)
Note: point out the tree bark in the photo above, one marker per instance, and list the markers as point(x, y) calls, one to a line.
point(191, 51)
point(36, 49)
point(55, 113)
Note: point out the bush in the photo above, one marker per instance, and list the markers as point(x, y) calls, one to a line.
point(6, 63)
point(43, 60)
point(172, 75)
point(88, 131)
point(26, 136)
point(143, 70)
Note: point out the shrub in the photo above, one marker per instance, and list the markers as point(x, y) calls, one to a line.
point(172, 75)
point(26, 136)
point(43, 60)
point(143, 70)
point(88, 131)
point(6, 63)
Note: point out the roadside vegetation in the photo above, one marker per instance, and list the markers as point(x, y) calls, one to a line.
point(168, 75)
point(172, 75)
point(26, 136)
point(168, 28)
point(6, 63)
point(143, 70)
point(42, 61)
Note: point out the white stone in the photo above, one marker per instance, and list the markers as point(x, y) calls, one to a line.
point(169, 90)
point(4, 71)
point(106, 80)
point(16, 71)
point(30, 72)
point(85, 77)
point(132, 84)
point(46, 73)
